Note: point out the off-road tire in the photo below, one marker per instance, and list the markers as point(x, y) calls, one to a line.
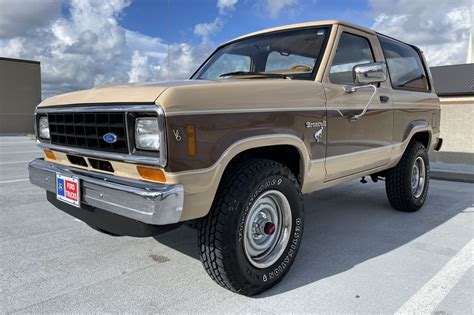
point(220, 236)
point(398, 180)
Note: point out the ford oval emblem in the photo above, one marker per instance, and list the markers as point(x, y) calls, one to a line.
point(110, 137)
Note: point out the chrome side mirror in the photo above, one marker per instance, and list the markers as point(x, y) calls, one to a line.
point(366, 76)
point(369, 73)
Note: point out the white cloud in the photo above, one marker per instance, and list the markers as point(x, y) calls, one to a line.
point(149, 46)
point(440, 28)
point(226, 5)
point(141, 69)
point(273, 7)
point(89, 47)
point(20, 17)
point(205, 30)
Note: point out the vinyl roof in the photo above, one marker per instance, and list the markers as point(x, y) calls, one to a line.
point(455, 80)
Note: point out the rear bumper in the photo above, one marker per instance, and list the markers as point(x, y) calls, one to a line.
point(149, 203)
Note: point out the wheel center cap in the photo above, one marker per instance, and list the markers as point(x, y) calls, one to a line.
point(269, 228)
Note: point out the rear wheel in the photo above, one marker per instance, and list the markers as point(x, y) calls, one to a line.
point(251, 236)
point(407, 183)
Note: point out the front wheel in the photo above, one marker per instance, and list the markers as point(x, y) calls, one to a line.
point(407, 183)
point(251, 236)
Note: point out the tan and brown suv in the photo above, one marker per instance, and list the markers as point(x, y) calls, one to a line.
point(266, 118)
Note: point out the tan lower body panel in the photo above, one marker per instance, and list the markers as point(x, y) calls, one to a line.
point(121, 169)
point(201, 185)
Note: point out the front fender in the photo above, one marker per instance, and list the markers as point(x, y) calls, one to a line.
point(200, 186)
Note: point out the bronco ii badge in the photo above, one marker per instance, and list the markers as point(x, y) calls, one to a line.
point(314, 124)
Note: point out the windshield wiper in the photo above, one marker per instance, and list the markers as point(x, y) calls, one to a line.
point(268, 75)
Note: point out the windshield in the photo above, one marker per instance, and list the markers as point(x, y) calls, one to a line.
point(290, 54)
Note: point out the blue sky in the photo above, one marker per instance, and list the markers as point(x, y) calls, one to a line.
point(86, 43)
point(177, 22)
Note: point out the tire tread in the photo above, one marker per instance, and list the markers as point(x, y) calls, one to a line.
point(211, 237)
point(398, 192)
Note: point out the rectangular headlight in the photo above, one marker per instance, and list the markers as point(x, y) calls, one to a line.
point(43, 127)
point(147, 134)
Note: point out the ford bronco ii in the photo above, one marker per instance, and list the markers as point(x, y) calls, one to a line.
point(267, 117)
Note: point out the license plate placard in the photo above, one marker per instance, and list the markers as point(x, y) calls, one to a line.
point(68, 190)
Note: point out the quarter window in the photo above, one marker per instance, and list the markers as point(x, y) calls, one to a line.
point(404, 65)
point(352, 50)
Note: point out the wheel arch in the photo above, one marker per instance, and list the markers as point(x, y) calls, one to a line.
point(285, 154)
point(286, 149)
point(201, 185)
point(424, 137)
point(418, 130)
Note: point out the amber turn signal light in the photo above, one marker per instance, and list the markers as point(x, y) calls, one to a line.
point(151, 173)
point(49, 154)
point(191, 132)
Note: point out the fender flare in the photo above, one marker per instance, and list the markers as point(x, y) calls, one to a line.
point(414, 127)
point(200, 186)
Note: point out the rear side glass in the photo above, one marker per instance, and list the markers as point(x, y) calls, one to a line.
point(351, 50)
point(404, 65)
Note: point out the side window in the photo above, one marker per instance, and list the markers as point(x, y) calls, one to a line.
point(404, 65)
point(351, 50)
point(227, 63)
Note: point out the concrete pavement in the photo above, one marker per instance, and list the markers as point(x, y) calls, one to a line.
point(358, 255)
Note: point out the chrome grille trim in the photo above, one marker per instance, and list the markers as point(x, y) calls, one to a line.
point(86, 130)
point(131, 156)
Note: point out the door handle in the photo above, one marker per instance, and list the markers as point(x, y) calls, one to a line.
point(384, 99)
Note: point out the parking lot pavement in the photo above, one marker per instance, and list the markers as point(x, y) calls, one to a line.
point(357, 255)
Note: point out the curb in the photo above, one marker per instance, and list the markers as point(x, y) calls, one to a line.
point(452, 176)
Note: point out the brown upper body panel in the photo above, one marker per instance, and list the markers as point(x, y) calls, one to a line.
point(226, 112)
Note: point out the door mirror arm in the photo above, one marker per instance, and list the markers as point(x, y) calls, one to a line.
point(352, 89)
point(366, 76)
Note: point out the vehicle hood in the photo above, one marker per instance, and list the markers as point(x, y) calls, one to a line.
point(194, 96)
point(145, 93)
point(246, 95)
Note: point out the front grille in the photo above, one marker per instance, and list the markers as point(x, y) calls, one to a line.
point(86, 130)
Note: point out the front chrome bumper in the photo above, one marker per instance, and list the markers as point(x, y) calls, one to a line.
point(150, 203)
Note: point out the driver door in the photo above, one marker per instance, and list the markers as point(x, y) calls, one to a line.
point(355, 147)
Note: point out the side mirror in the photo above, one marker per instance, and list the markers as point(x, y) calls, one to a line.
point(369, 73)
point(366, 76)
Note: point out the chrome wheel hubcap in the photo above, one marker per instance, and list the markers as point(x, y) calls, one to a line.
point(267, 229)
point(418, 177)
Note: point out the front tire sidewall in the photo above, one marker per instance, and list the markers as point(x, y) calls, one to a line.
point(421, 199)
point(267, 277)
